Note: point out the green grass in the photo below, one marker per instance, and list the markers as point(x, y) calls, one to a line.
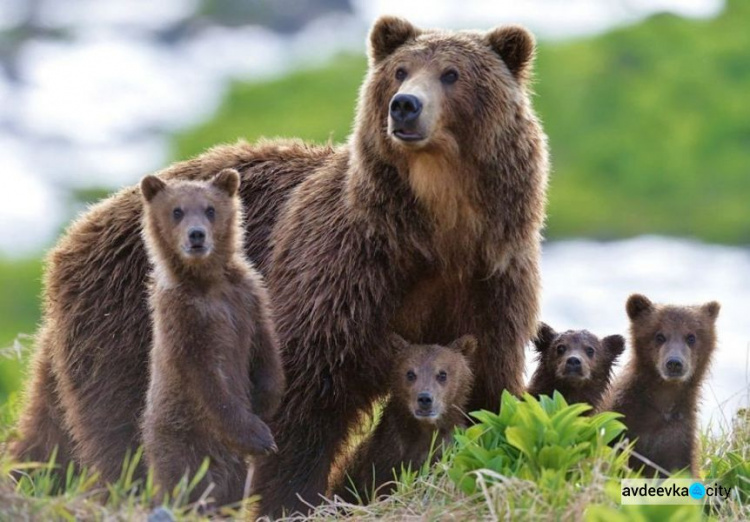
point(512, 477)
point(649, 125)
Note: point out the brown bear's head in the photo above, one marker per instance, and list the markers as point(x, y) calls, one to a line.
point(674, 342)
point(431, 380)
point(440, 91)
point(577, 357)
point(191, 223)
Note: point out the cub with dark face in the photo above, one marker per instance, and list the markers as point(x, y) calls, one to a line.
point(215, 367)
point(430, 387)
point(575, 363)
point(659, 389)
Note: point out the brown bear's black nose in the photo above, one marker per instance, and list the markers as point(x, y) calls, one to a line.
point(573, 362)
point(424, 400)
point(405, 108)
point(674, 367)
point(197, 237)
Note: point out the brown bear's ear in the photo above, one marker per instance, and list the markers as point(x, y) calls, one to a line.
point(515, 45)
point(388, 34)
point(638, 305)
point(614, 345)
point(151, 186)
point(711, 309)
point(228, 181)
point(466, 345)
point(545, 334)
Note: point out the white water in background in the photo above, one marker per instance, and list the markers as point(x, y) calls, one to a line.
point(586, 284)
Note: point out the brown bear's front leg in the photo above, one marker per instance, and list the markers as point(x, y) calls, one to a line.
point(316, 418)
point(505, 321)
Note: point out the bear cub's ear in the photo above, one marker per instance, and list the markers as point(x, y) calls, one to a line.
point(398, 343)
point(614, 345)
point(638, 305)
point(151, 186)
point(228, 181)
point(711, 309)
point(388, 34)
point(515, 45)
point(545, 334)
point(466, 345)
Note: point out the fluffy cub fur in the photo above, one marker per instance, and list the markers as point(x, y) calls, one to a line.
point(215, 367)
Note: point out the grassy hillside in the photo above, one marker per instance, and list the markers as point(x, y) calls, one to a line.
point(649, 125)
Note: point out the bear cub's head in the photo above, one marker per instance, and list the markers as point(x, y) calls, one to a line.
point(577, 358)
point(676, 342)
point(192, 222)
point(433, 382)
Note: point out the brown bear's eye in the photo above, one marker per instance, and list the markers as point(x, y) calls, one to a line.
point(449, 77)
point(660, 339)
point(400, 74)
point(177, 214)
point(690, 339)
point(589, 351)
point(210, 213)
point(442, 377)
point(411, 376)
point(561, 349)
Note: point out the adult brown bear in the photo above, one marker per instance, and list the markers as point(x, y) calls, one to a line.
point(426, 222)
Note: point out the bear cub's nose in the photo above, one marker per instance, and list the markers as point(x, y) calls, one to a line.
point(405, 108)
point(573, 362)
point(675, 367)
point(197, 237)
point(424, 400)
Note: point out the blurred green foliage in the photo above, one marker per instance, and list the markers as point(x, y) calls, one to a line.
point(20, 288)
point(649, 125)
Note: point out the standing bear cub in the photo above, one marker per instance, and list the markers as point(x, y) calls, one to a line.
point(575, 363)
point(659, 389)
point(430, 386)
point(215, 365)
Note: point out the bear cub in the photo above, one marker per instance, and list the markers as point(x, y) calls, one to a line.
point(215, 370)
point(659, 389)
point(430, 386)
point(575, 363)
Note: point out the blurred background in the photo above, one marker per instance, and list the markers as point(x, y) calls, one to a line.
point(646, 103)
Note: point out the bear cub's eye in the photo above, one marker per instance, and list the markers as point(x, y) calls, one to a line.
point(210, 213)
point(401, 74)
point(449, 77)
point(589, 351)
point(442, 376)
point(177, 214)
point(690, 339)
point(660, 339)
point(411, 376)
point(561, 349)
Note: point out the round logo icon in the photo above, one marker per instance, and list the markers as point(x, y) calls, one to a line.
point(697, 490)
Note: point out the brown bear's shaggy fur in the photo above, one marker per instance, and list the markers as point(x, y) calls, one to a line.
point(90, 369)
point(575, 363)
point(215, 367)
point(426, 222)
point(659, 389)
point(430, 386)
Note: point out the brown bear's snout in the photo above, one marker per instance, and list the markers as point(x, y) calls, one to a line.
point(197, 237)
point(405, 110)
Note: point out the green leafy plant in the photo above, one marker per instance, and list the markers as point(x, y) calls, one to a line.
point(547, 441)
